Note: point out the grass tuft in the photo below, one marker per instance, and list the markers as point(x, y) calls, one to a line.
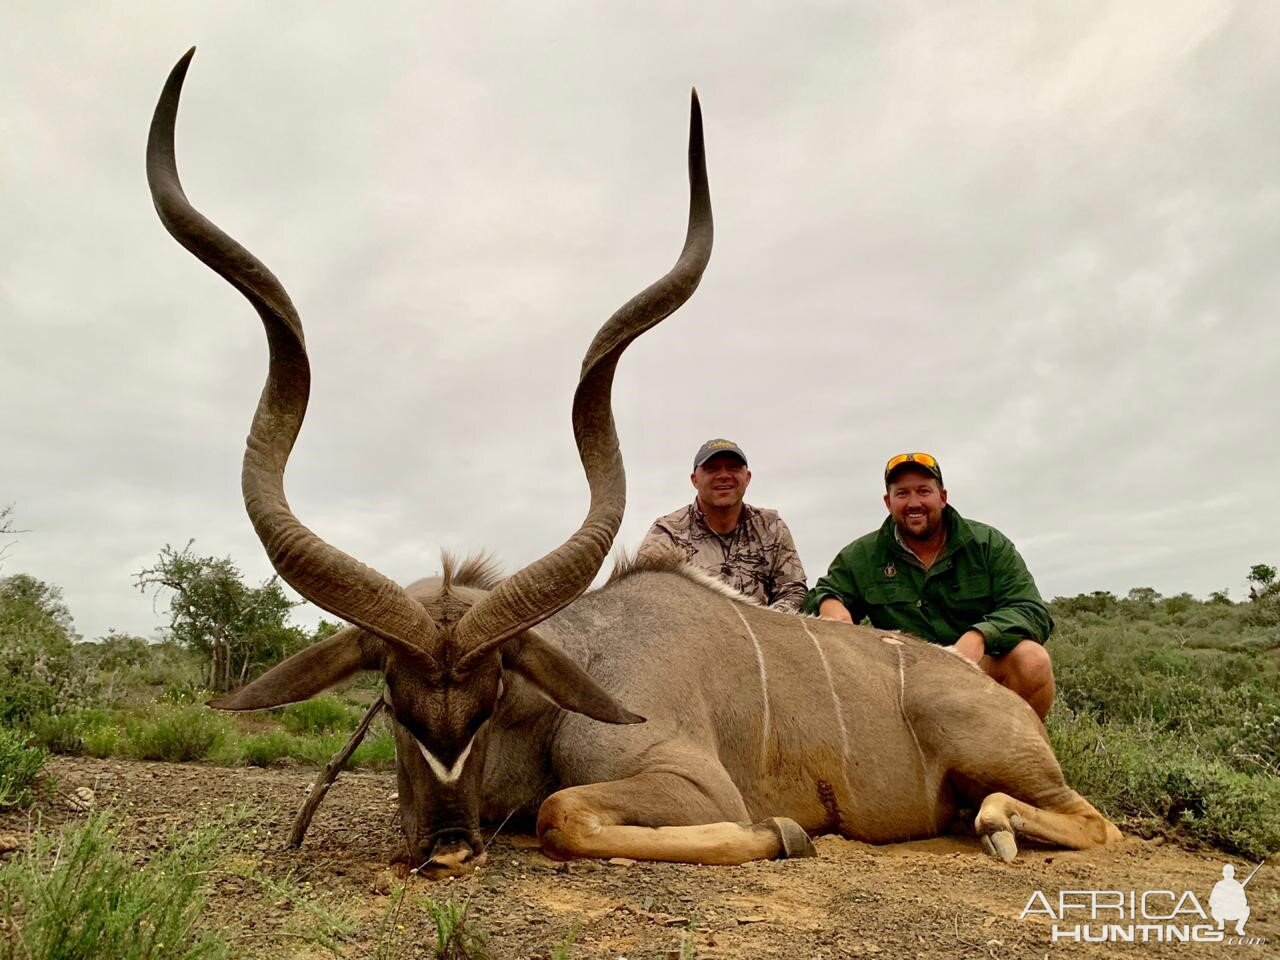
point(175, 733)
point(322, 714)
point(76, 896)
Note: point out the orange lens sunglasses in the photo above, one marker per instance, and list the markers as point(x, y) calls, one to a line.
point(927, 459)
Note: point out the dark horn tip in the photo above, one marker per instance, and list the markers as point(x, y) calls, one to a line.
point(180, 68)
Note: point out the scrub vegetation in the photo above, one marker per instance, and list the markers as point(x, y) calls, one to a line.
point(1168, 713)
point(1167, 718)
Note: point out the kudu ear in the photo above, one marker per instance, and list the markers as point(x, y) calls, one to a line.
point(308, 672)
point(562, 681)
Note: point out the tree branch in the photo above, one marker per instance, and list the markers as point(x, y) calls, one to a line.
point(324, 781)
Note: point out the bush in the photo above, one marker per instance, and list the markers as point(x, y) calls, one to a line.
point(36, 634)
point(20, 764)
point(176, 733)
point(377, 751)
point(77, 896)
point(261, 749)
point(322, 714)
point(1158, 784)
point(65, 733)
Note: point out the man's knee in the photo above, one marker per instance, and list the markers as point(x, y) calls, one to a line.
point(1026, 666)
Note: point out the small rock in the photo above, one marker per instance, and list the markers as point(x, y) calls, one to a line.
point(383, 882)
point(743, 921)
point(281, 904)
point(10, 842)
point(675, 921)
point(80, 799)
point(621, 862)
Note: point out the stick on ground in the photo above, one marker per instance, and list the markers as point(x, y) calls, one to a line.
point(330, 773)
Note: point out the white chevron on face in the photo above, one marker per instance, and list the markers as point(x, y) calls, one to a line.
point(438, 768)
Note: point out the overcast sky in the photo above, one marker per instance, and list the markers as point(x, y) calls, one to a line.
point(1037, 239)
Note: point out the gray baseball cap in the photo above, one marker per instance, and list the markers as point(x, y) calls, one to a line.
point(712, 447)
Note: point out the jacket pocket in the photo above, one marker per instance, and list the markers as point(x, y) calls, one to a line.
point(968, 597)
point(890, 594)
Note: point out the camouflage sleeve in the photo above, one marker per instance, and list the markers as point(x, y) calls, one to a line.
point(657, 542)
point(789, 585)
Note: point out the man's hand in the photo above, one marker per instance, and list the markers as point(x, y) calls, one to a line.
point(832, 609)
point(971, 645)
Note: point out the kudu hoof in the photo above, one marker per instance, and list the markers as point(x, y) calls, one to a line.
point(795, 842)
point(1000, 844)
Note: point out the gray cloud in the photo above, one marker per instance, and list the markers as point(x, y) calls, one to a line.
point(1038, 240)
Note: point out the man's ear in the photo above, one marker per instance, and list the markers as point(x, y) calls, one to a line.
point(308, 672)
point(562, 681)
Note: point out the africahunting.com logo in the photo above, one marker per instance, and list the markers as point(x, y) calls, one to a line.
point(1149, 916)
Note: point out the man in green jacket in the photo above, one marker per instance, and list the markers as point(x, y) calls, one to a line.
point(930, 573)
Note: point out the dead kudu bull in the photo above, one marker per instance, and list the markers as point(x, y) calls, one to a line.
point(509, 694)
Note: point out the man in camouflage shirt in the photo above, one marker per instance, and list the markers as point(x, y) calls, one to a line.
point(747, 547)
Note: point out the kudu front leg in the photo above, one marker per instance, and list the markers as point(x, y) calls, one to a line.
point(662, 816)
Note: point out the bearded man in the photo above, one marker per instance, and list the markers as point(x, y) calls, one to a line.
point(935, 575)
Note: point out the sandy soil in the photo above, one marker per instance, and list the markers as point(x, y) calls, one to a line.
point(935, 898)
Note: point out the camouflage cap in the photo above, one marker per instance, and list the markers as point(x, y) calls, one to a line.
point(712, 447)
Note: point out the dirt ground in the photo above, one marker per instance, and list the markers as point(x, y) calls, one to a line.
point(935, 898)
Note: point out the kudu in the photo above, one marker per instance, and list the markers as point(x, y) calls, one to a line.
point(508, 695)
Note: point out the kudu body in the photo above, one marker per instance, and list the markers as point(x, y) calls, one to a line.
point(516, 694)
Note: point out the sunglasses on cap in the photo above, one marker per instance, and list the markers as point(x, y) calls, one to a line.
point(926, 460)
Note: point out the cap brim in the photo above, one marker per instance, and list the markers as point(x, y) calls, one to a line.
point(912, 465)
point(720, 453)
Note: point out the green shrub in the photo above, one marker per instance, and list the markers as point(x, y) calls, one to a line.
point(322, 714)
point(1155, 782)
point(65, 733)
point(36, 634)
point(107, 741)
point(76, 896)
point(176, 733)
point(261, 749)
point(378, 751)
point(20, 764)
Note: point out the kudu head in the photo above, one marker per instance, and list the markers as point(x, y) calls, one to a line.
point(443, 652)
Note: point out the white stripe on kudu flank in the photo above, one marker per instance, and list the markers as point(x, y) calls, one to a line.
point(831, 685)
point(902, 707)
point(443, 775)
point(764, 683)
